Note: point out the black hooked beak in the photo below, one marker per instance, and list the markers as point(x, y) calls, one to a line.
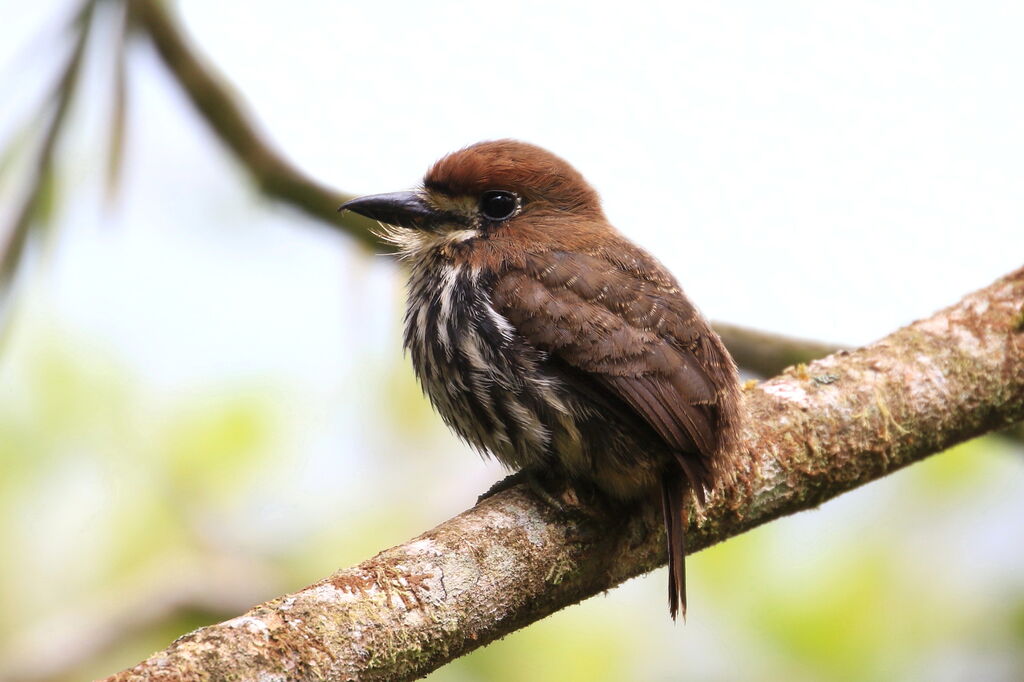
point(404, 209)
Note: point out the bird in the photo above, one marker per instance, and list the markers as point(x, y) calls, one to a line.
point(548, 340)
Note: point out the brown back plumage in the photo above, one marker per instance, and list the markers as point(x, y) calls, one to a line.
point(639, 337)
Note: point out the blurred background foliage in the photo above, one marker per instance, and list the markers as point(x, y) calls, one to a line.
point(129, 517)
point(203, 405)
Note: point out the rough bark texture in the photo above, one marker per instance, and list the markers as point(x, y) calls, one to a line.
point(811, 434)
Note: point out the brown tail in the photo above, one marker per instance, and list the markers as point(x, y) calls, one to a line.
point(673, 489)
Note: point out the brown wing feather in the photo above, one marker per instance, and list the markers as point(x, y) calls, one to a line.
point(626, 324)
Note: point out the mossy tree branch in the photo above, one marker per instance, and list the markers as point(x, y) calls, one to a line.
point(811, 434)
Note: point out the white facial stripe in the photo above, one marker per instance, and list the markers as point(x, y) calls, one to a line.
point(414, 244)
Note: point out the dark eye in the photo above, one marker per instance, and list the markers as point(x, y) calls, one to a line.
point(498, 205)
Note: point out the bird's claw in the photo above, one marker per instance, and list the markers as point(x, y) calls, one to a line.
point(535, 483)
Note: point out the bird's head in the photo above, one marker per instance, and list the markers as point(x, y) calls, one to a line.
point(506, 190)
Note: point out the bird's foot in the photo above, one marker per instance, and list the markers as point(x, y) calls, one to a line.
point(539, 485)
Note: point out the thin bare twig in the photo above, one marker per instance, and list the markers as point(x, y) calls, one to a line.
point(276, 176)
point(63, 94)
point(768, 354)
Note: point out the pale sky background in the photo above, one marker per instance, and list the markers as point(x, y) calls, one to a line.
point(810, 168)
point(827, 170)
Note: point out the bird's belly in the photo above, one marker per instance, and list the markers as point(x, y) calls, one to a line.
point(502, 397)
point(488, 387)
